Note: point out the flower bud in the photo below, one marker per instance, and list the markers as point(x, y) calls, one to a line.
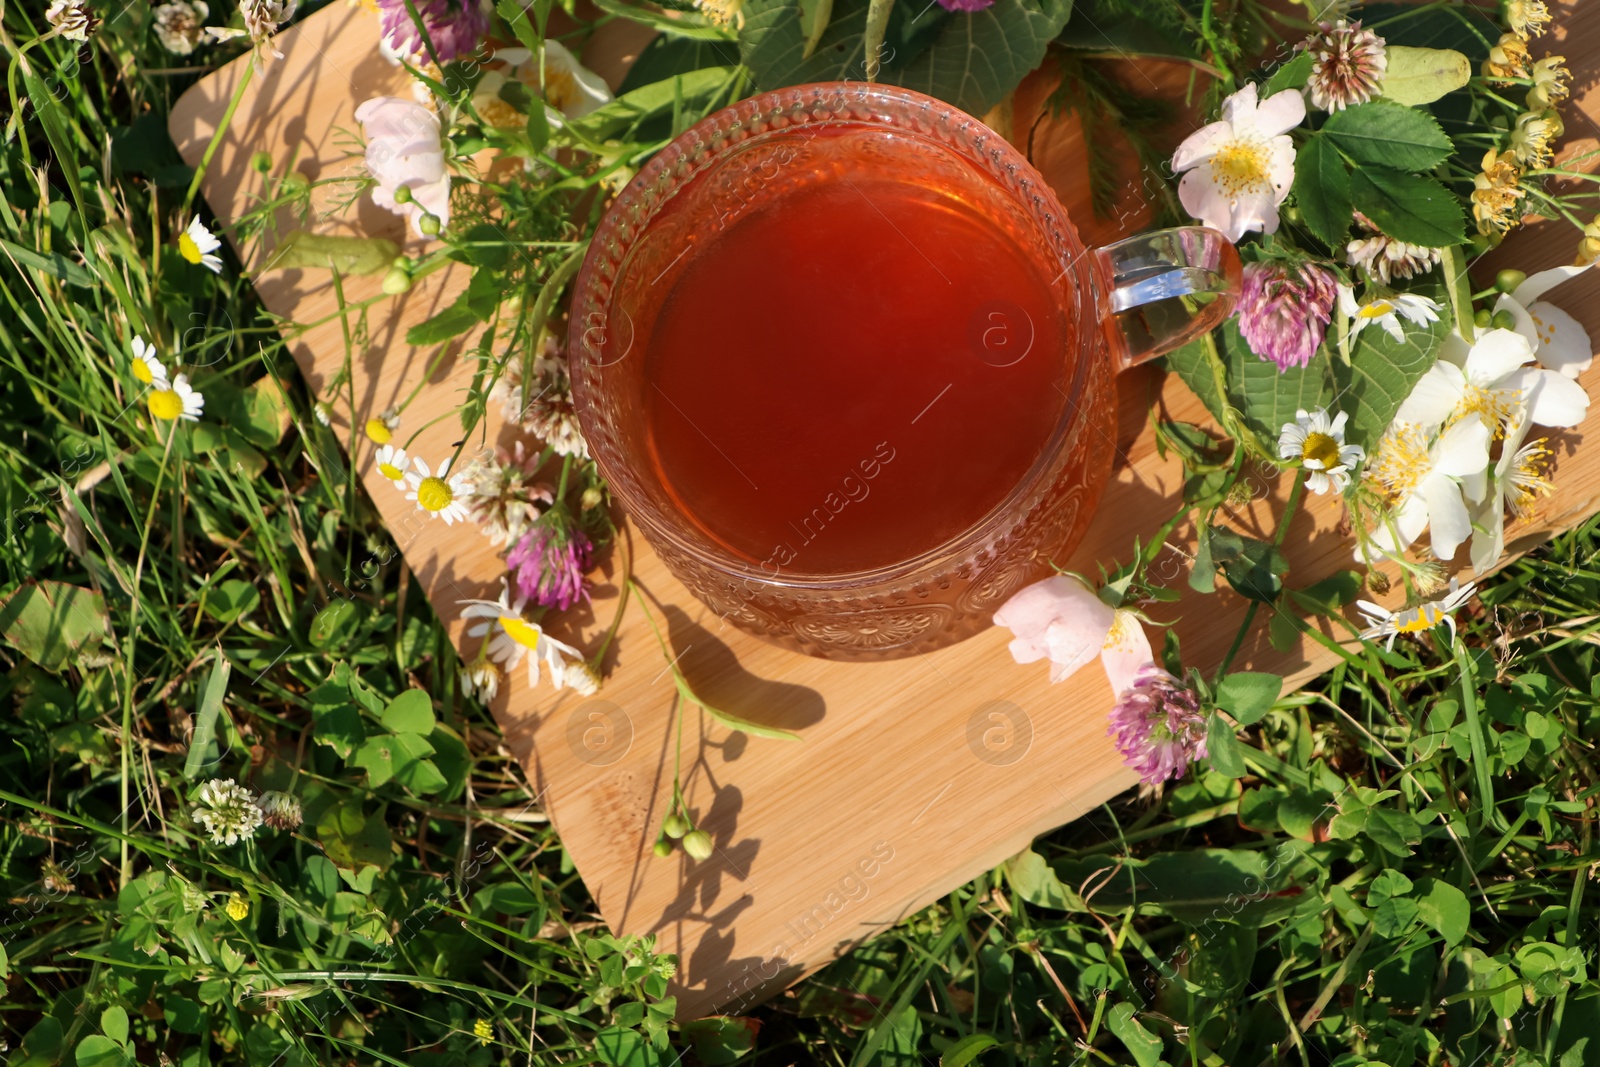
point(397, 281)
point(402, 195)
point(675, 825)
point(261, 161)
point(1481, 318)
point(429, 224)
point(663, 848)
point(1508, 280)
point(697, 843)
point(1503, 320)
point(294, 184)
point(1378, 582)
point(591, 498)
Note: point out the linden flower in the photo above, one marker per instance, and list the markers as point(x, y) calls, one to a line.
point(1496, 190)
point(179, 400)
point(1061, 618)
point(439, 494)
point(1428, 483)
point(512, 638)
point(147, 369)
point(1317, 443)
point(1507, 59)
point(1387, 311)
point(199, 246)
point(1550, 78)
point(729, 14)
point(1532, 136)
point(1496, 382)
point(1241, 166)
point(391, 463)
point(1381, 622)
point(1527, 18)
point(1520, 478)
point(1558, 340)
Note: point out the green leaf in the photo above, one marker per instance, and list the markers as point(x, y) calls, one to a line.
point(259, 412)
point(972, 62)
point(354, 838)
point(691, 25)
point(202, 745)
point(1254, 568)
point(54, 264)
point(339, 727)
point(302, 249)
point(410, 712)
point(1224, 749)
point(719, 1040)
point(1033, 880)
point(98, 1051)
point(333, 623)
point(620, 1047)
point(52, 623)
point(1408, 207)
point(114, 1024)
point(1422, 75)
point(691, 91)
point(453, 321)
point(1266, 397)
point(1144, 1046)
point(731, 721)
point(814, 17)
point(376, 756)
point(1392, 830)
point(1445, 908)
point(1390, 135)
point(1382, 372)
point(184, 1015)
point(1322, 191)
point(231, 599)
point(966, 1050)
point(412, 767)
point(1291, 75)
point(1247, 695)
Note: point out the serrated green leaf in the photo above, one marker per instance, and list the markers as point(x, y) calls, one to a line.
point(1382, 372)
point(975, 59)
point(1408, 207)
point(1422, 75)
point(1388, 134)
point(1322, 191)
point(1248, 695)
point(410, 712)
point(1266, 397)
point(1224, 749)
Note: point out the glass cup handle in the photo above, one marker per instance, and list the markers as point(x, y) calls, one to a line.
point(1162, 289)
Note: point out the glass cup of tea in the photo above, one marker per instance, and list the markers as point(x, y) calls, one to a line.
point(846, 365)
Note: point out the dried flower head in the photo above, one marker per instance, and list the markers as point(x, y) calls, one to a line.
point(1533, 135)
point(1496, 193)
point(179, 25)
point(1384, 258)
point(73, 19)
point(1550, 83)
point(549, 415)
point(1527, 18)
point(1284, 310)
point(281, 811)
point(227, 811)
point(506, 497)
point(549, 563)
point(1508, 59)
point(1348, 64)
point(1157, 726)
point(55, 879)
point(481, 680)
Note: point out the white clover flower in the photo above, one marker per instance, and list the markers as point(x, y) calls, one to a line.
point(281, 811)
point(227, 811)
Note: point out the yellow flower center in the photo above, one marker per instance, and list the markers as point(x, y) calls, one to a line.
point(391, 472)
point(1529, 478)
point(560, 88)
point(166, 404)
point(1493, 405)
point(141, 371)
point(521, 631)
point(1402, 460)
point(1241, 166)
point(378, 432)
point(1424, 618)
point(1324, 448)
point(188, 249)
point(435, 494)
point(1376, 310)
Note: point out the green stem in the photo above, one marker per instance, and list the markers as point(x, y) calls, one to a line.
point(216, 138)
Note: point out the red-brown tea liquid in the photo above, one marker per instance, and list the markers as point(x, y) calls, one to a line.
point(855, 369)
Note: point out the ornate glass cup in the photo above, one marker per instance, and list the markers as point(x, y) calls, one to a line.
point(711, 245)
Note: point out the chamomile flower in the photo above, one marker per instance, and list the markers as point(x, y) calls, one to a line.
point(1387, 311)
point(1381, 622)
point(512, 639)
point(179, 400)
point(380, 430)
point(391, 463)
point(199, 246)
point(1317, 443)
point(438, 494)
point(147, 369)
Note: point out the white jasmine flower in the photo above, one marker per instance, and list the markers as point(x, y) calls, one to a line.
point(176, 401)
point(513, 638)
point(1559, 341)
point(1387, 311)
point(147, 369)
point(1494, 380)
point(404, 151)
point(1239, 168)
point(439, 494)
point(199, 246)
point(1381, 622)
point(1317, 444)
point(226, 810)
point(1431, 483)
point(1520, 478)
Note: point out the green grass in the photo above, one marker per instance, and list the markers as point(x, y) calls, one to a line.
point(1401, 874)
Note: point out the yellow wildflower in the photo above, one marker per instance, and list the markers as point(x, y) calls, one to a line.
point(483, 1031)
point(238, 908)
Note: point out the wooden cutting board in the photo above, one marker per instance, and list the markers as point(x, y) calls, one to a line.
point(914, 775)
